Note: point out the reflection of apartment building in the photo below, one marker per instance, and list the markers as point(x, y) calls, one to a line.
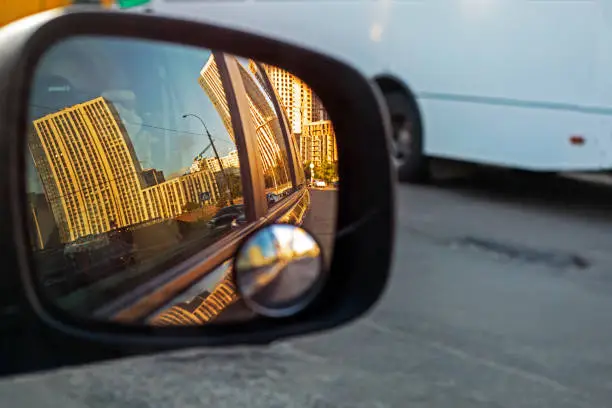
point(210, 80)
point(152, 177)
point(318, 110)
point(267, 125)
point(293, 95)
point(168, 199)
point(300, 102)
point(261, 110)
point(318, 143)
point(231, 160)
point(309, 120)
point(88, 169)
point(91, 175)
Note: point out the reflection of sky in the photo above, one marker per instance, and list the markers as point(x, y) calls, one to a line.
point(261, 247)
point(258, 250)
point(264, 241)
point(164, 80)
point(295, 238)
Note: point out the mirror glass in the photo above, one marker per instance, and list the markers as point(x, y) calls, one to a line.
point(149, 163)
point(278, 270)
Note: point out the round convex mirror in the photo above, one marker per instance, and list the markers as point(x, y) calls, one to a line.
point(279, 270)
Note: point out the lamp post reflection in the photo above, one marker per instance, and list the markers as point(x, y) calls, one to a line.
point(227, 184)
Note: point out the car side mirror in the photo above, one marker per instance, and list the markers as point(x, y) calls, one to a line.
point(124, 137)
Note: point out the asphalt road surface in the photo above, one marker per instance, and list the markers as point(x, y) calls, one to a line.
point(501, 297)
point(290, 282)
point(321, 219)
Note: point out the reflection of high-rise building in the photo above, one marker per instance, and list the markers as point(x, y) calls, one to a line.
point(318, 143)
point(300, 102)
point(293, 94)
point(266, 121)
point(318, 110)
point(88, 168)
point(152, 177)
point(229, 161)
point(91, 176)
point(309, 120)
point(168, 199)
point(210, 81)
point(261, 110)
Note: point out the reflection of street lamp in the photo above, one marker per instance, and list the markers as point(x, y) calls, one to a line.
point(38, 233)
point(229, 191)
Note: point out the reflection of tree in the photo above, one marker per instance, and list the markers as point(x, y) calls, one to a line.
point(191, 206)
point(235, 188)
point(235, 185)
point(327, 171)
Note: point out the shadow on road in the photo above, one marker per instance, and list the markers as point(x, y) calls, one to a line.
point(552, 192)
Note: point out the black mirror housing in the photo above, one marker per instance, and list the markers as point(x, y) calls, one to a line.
point(364, 241)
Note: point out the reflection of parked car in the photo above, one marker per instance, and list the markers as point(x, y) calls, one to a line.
point(272, 198)
point(224, 217)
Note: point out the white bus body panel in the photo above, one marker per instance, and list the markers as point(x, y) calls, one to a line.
point(501, 82)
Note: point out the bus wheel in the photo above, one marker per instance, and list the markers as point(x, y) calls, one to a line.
point(407, 144)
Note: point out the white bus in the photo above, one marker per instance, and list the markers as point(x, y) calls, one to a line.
point(523, 84)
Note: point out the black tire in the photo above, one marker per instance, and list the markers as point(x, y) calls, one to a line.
point(407, 150)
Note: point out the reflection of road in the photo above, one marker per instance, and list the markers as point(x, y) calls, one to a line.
point(251, 281)
point(285, 282)
point(321, 219)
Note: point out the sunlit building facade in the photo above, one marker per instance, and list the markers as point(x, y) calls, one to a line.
point(309, 120)
point(88, 169)
point(229, 161)
point(261, 109)
point(293, 94)
point(267, 124)
point(91, 175)
point(318, 143)
point(210, 81)
point(168, 199)
point(300, 102)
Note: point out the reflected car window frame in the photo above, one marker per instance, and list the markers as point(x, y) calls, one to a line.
point(251, 166)
point(289, 140)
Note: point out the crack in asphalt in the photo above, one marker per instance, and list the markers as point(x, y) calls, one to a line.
point(556, 259)
point(551, 258)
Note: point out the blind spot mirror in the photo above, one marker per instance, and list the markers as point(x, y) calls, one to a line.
point(279, 270)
